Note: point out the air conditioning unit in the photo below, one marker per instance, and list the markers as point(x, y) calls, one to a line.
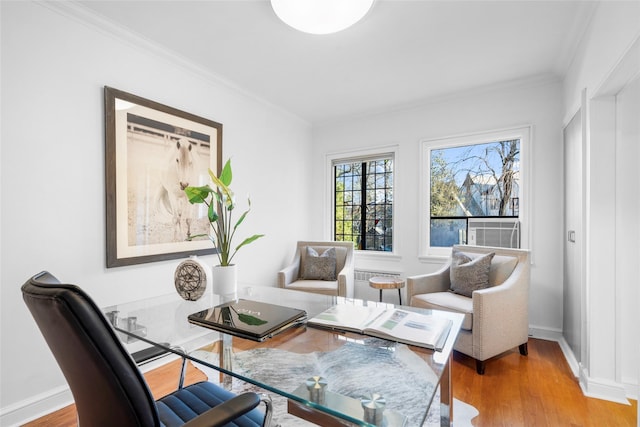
point(496, 232)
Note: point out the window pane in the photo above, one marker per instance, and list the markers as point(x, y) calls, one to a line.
point(371, 217)
point(447, 232)
point(471, 181)
point(475, 180)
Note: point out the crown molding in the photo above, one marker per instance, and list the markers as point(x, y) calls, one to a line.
point(526, 82)
point(575, 35)
point(76, 11)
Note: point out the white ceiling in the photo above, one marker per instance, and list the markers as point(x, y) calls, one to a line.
point(402, 53)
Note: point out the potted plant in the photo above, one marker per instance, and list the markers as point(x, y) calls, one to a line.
point(220, 202)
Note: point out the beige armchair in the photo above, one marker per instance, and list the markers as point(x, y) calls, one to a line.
point(496, 319)
point(293, 276)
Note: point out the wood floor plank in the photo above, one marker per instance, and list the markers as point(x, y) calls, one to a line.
point(537, 390)
point(516, 391)
point(162, 381)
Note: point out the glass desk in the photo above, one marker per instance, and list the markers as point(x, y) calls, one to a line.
point(328, 377)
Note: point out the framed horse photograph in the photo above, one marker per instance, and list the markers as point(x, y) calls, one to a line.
point(153, 152)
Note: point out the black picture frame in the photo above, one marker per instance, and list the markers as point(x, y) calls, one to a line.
point(152, 151)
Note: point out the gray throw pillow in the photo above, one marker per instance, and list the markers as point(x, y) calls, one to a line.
point(319, 267)
point(467, 274)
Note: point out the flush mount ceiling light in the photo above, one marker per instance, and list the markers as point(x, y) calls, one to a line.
point(321, 16)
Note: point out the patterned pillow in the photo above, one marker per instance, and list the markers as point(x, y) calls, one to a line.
point(467, 274)
point(319, 267)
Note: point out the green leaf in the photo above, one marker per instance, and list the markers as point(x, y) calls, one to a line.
point(198, 194)
point(251, 320)
point(229, 202)
point(224, 189)
point(195, 236)
point(212, 213)
point(242, 217)
point(249, 240)
point(226, 175)
point(221, 203)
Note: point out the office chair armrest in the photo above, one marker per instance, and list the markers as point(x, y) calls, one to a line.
point(226, 411)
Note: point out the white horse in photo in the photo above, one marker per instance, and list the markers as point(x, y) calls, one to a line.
point(179, 173)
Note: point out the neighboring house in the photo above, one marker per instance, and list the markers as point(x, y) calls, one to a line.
point(479, 195)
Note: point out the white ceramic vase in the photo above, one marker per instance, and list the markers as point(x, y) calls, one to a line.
point(225, 280)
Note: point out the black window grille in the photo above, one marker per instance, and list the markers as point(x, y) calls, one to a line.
point(364, 203)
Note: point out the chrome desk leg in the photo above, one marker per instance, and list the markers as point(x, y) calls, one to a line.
point(226, 359)
point(446, 395)
point(183, 368)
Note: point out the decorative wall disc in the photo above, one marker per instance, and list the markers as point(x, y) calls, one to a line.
point(190, 279)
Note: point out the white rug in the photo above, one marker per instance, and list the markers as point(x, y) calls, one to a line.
point(463, 413)
point(402, 398)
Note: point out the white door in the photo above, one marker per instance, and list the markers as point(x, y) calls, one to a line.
point(628, 228)
point(573, 239)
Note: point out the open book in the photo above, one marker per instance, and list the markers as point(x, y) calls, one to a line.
point(392, 324)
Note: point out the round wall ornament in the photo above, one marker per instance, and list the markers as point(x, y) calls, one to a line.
point(191, 279)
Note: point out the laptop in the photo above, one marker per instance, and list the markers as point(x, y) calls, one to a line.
point(253, 320)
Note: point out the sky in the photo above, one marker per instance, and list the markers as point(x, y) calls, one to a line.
point(454, 154)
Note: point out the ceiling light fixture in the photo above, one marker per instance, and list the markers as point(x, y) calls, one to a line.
point(321, 16)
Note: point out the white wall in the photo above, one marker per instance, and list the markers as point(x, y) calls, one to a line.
point(54, 68)
point(536, 102)
point(613, 28)
point(52, 168)
point(609, 363)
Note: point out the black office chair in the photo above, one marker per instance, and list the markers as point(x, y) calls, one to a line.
point(107, 386)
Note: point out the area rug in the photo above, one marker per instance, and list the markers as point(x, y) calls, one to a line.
point(405, 397)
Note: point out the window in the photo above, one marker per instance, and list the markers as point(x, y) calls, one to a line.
point(475, 190)
point(363, 202)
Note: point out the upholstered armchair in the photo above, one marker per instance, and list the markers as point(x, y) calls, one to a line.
point(311, 269)
point(495, 312)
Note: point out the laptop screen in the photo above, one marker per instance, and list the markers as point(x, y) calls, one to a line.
point(248, 319)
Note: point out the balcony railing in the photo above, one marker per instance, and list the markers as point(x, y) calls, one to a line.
point(496, 231)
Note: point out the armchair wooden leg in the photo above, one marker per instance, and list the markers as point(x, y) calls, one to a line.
point(524, 349)
point(480, 367)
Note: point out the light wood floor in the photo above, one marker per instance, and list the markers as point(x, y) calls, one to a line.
point(538, 390)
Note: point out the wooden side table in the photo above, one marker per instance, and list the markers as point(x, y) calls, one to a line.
point(387, 283)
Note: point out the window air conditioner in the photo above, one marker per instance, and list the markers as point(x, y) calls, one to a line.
point(496, 232)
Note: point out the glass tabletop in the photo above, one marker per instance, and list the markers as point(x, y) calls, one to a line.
point(349, 376)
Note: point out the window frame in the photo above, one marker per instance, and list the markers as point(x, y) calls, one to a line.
point(358, 156)
point(426, 251)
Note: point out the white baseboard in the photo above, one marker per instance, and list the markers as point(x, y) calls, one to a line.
point(601, 388)
point(574, 365)
point(591, 387)
point(45, 403)
point(35, 407)
point(548, 334)
point(632, 391)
